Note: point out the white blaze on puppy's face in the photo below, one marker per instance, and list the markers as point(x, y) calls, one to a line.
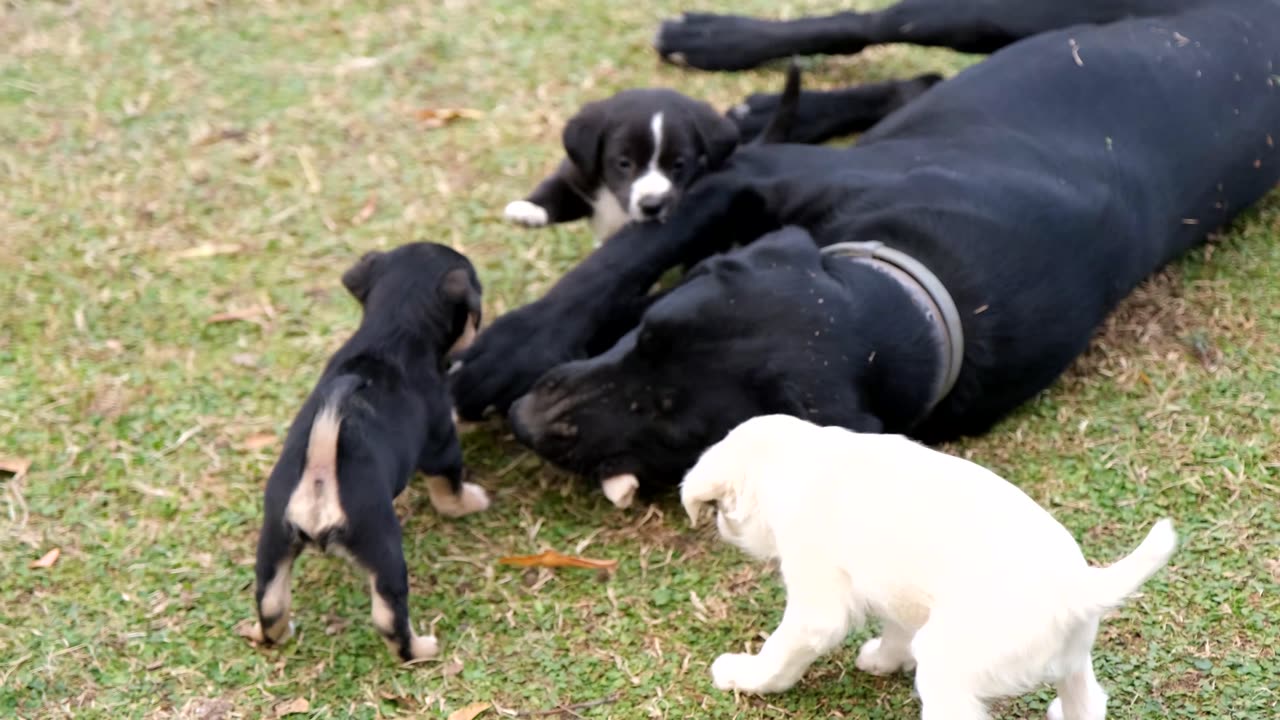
point(607, 214)
point(653, 186)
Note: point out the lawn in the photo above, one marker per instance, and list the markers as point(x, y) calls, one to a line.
point(183, 182)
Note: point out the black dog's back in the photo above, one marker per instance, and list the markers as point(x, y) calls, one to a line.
point(1053, 173)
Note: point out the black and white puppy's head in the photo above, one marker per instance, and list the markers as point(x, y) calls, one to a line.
point(637, 151)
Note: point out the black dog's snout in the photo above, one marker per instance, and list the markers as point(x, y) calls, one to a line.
point(651, 205)
point(517, 418)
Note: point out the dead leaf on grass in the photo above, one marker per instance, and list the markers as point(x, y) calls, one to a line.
point(258, 441)
point(218, 136)
point(18, 466)
point(553, 559)
point(245, 314)
point(206, 250)
point(46, 560)
point(439, 117)
point(293, 707)
point(366, 212)
point(469, 712)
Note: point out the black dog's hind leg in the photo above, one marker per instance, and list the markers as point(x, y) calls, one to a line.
point(278, 547)
point(732, 42)
point(379, 551)
point(554, 200)
point(821, 115)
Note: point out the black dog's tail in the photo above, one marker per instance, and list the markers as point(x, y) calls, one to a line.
point(779, 127)
point(321, 469)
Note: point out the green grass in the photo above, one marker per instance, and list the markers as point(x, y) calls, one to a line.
point(137, 412)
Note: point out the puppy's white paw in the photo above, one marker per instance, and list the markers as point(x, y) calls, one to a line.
point(621, 489)
point(732, 671)
point(523, 212)
point(746, 673)
point(473, 498)
point(875, 659)
point(424, 647)
point(279, 634)
point(1055, 709)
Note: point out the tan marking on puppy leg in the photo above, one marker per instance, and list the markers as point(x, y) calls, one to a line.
point(470, 499)
point(421, 647)
point(620, 489)
point(468, 335)
point(277, 601)
point(314, 507)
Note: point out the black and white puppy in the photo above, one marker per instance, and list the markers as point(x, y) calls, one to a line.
point(630, 157)
point(379, 413)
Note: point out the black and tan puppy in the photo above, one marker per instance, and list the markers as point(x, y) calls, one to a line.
point(630, 157)
point(379, 413)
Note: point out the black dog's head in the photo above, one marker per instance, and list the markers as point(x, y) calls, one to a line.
point(762, 330)
point(422, 287)
point(641, 148)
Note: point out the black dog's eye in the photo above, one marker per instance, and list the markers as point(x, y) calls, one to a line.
point(624, 164)
point(677, 165)
point(666, 402)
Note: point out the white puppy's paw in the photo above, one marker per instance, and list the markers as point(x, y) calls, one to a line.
point(745, 673)
point(523, 212)
point(1055, 709)
point(875, 659)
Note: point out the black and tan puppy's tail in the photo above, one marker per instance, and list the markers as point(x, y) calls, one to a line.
point(779, 128)
point(320, 474)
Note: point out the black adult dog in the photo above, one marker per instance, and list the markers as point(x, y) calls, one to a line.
point(1039, 187)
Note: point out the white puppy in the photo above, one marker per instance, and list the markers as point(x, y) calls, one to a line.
point(978, 587)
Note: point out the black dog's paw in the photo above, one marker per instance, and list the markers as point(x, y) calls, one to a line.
point(509, 356)
point(909, 90)
point(716, 42)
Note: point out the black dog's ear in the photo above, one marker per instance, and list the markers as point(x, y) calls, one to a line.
point(845, 412)
point(459, 287)
point(360, 278)
point(583, 137)
point(719, 137)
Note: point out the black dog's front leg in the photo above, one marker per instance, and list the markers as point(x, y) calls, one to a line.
point(822, 115)
point(557, 199)
point(732, 42)
point(507, 358)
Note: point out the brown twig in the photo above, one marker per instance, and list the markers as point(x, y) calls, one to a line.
point(572, 708)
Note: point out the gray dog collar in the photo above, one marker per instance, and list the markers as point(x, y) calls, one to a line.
point(929, 294)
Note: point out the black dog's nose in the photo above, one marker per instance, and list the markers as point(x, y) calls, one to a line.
point(517, 419)
point(651, 205)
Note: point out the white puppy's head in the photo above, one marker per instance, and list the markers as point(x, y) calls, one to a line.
point(728, 477)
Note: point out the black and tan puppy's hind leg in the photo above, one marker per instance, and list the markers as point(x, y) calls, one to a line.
point(381, 554)
point(277, 550)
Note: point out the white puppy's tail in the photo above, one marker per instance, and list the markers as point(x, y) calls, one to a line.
point(1106, 588)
